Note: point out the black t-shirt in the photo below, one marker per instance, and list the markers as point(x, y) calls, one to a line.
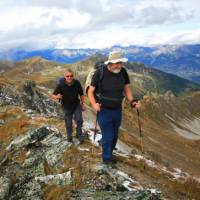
point(112, 86)
point(70, 93)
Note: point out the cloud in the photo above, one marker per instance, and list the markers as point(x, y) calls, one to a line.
point(37, 24)
point(159, 15)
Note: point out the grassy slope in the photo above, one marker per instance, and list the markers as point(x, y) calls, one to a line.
point(145, 80)
point(160, 139)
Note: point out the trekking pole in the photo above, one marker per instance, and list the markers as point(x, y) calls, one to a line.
point(141, 136)
point(95, 129)
point(95, 132)
point(140, 130)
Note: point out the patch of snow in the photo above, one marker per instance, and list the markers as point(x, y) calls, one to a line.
point(83, 149)
point(121, 153)
point(185, 133)
point(9, 98)
point(126, 176)
point(178, 174)
point(150, 163)
point(54, 129)
point(128, 182)
point(94, 138)
point(59, 179)
point(122, 149)
point(154, 191)
point(188, 128)
point(29, 111)
point(139, 157)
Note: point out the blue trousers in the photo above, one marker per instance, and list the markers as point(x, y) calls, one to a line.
point(109, 121)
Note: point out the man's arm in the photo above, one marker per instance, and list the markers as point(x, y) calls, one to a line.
point(129, 96)
point(128, 93)
point(56, 96)
point(96, 106)
point(81, 95)
point(82, 102)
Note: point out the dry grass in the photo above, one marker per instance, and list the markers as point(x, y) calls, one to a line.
point(190, 188)
point(21, 157)
point(55, 192)
point(13, 128)
point(81, 164)
point(175, 189)
point(130, 140)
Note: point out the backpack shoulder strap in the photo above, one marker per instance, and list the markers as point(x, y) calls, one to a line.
point(61, 81)
point(101, 74)
point(124, 72)
point(101, 69)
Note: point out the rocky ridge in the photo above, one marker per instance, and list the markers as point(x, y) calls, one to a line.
point(45, 146)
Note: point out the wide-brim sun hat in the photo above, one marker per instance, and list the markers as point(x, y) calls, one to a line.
point(115, 57)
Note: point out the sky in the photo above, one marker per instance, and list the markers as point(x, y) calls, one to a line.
point(64, 24)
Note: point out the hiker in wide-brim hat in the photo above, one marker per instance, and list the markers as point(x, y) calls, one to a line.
point(106, 99)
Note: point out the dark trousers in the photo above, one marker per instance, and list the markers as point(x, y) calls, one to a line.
point(109, 121)
point(68, 116)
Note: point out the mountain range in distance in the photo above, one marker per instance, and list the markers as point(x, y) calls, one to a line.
point(181, 60)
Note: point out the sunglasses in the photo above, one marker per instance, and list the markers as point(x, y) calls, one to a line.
point(69, 76)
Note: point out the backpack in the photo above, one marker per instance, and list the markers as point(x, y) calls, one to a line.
point(61, 80)
point(98, 66)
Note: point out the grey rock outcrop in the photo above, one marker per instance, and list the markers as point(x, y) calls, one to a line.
point(43, 145)
point(49, 142)
point(113, 195)
point(8, 95)
point(35, 100)
point(28, 96)
point(5, 185)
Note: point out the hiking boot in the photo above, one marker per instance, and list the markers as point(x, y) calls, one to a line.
point(100, 142)
point(114, 160)
point(107, 162)
point(69, 140)
point(80, 138)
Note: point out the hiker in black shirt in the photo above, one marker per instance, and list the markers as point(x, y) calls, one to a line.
point(106, 98)
point(70, 92)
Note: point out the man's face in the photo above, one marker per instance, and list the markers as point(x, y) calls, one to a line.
point(115, 67)
point(69, 77)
